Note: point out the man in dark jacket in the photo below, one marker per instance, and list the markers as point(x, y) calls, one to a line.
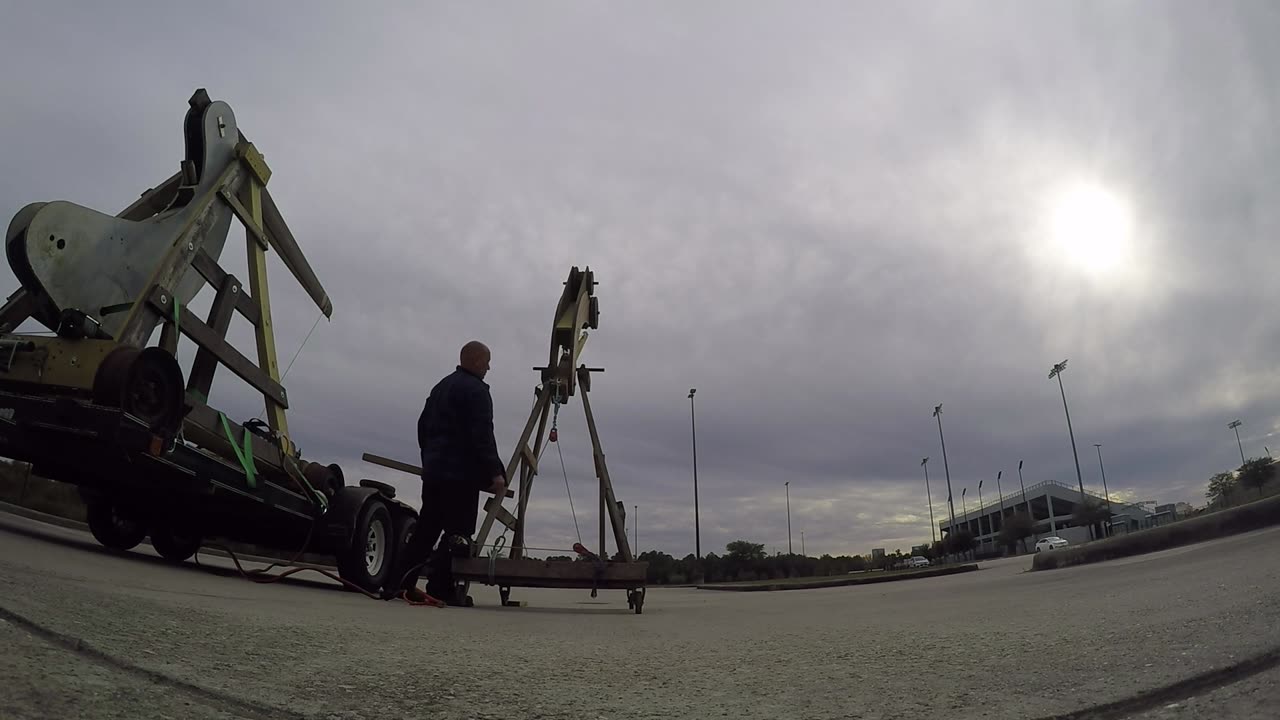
point(459, 461)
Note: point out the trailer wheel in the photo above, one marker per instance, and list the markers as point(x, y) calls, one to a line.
point(404, 533)
point(174, 547)
point(146, 383)
point(114, 528)
point(368, 561)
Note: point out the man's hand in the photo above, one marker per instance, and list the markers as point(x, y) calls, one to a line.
point(498, 486)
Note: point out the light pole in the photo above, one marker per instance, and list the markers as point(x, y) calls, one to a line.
point(1022, 485)
point(1000, 491)
point(933, 530)
point(697, 533)
point(636, 532)
point(787, 486)
point(965, 508)
point(1105, 491)
point(1235, 425)
point(1056, 372)
point(802, 552)
point(937, 412)
point(981, 507)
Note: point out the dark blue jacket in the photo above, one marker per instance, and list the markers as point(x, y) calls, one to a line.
point(455, 433)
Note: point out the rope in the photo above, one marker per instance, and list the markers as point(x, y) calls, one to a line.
point(314, 325)
point(304, 344)
point(565, 472)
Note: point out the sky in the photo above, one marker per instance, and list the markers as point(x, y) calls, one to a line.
point(826, 217)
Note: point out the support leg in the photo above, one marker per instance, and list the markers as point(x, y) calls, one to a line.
point(608, 501)
point(265, 331)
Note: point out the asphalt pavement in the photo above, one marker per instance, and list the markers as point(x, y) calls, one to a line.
point(91, 633)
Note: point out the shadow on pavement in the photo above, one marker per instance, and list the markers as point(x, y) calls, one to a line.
point(192, 565)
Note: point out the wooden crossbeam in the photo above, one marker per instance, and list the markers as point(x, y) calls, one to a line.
point(216, 276)
point(161, 302)
point(503, 515)
point(549, 573)
point(206, 362)
point(404, 467)
point(530, 459)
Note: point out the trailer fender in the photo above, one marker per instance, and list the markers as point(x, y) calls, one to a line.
point(341, 516)
point(345, 509)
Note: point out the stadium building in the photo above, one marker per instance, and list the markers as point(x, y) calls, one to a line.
point(1051, 506)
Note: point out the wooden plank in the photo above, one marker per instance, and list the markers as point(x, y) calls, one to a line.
point(266, 332)
point(281, 238)
point(609, 502)
point(542, 573)
point(393, 464)
point(246, 216)
point(169, 339)
point(215, 275)
point(529, 458)
point(503, 515)
point(160, 302)
point(405, 467)
point(526, 483)
point(206, 363)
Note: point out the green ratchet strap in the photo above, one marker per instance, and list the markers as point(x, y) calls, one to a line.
point(246, 456)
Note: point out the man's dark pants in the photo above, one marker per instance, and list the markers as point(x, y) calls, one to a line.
point(449, 507)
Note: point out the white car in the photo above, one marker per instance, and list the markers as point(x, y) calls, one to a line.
point(1053, 542)
point(918, 561)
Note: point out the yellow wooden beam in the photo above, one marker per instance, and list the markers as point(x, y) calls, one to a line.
point(258, 289)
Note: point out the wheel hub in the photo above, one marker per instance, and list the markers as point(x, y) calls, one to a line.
point(375, 548)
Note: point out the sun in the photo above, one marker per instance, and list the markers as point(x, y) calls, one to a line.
point(1092, 227)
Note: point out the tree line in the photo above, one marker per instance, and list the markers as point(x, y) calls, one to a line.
point(1232, 487)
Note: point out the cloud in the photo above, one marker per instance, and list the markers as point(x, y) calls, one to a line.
point(828, 221)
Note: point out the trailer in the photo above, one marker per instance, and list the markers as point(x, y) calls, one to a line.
point(94, 403)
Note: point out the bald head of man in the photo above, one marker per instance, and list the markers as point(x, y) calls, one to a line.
point(474, 358)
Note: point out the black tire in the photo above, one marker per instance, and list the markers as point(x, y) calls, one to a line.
point(404, 533)
point(113, 527)
point(370, 559)
point(173, 546)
